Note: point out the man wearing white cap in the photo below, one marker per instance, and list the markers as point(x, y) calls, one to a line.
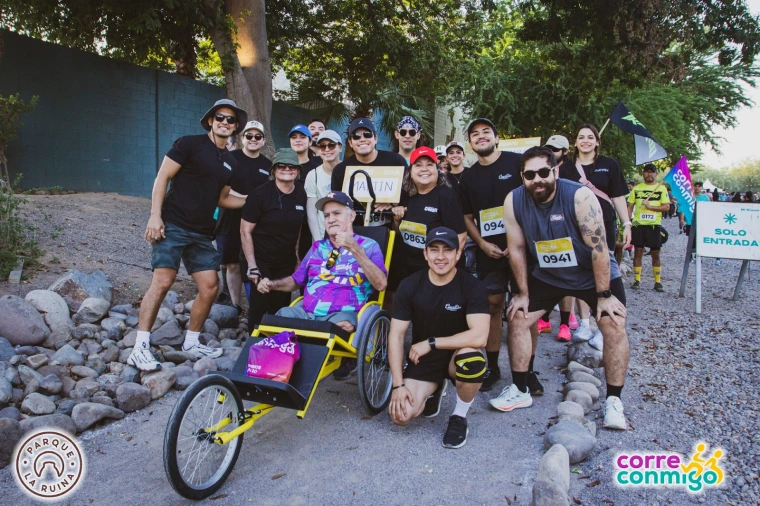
point(318, 181)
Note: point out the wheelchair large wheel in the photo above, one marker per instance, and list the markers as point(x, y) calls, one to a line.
point(372, 369)
point(195, 464)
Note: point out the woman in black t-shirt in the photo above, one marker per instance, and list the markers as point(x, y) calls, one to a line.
point(428, 202)
point(272, 219)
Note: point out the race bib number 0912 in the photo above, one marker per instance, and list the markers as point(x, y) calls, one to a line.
point(556, 254)
point(492, 222)
point(413, 234)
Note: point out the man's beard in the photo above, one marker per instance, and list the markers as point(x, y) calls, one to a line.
point(485, 151)
point(548, 190)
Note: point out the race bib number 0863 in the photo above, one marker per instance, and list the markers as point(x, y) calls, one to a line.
point(492, 222)
point(556, 253)
point(413, 234)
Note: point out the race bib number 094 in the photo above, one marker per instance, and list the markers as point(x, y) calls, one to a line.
point(413, 233)
point(556, 254)
point(492, 222)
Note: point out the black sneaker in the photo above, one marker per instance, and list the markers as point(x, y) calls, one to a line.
point(658, 287)
point(636, 285)
point(456, 433)
point(534, 386)
point(492, 376)
point(433, 403)
point(346, 368)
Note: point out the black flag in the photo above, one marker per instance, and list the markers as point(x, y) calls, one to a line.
point(647, 148)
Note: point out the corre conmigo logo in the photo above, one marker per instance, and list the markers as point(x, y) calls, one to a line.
point(49, 464)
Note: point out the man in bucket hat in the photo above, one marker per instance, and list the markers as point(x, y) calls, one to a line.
point(181, 225)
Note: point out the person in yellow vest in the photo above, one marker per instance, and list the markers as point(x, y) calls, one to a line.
point(646, 203)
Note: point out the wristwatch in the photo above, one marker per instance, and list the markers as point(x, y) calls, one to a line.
point(431, 342)
point(604, 295)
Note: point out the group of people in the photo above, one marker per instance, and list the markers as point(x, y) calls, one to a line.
point(543, 225)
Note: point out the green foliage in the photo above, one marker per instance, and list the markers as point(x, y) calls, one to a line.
point(741, 177)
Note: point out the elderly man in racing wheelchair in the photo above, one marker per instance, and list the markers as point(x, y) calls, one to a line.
point(339, 272)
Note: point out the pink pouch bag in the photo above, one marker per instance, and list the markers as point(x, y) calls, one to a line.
point(273, 357)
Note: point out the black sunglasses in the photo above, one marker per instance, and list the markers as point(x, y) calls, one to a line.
point(286, 166)
point(403, 132)
point(250, 137)
point(553, 148)
point(231, 120)
point(326, 146)
point(543, 173)
point(359, 135)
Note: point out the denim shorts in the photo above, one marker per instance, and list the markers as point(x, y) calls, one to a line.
point(195, 250)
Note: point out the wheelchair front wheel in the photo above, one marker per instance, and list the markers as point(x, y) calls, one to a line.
point(372, 369)
point(195, 463)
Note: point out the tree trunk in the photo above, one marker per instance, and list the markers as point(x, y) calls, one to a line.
point(247, 70)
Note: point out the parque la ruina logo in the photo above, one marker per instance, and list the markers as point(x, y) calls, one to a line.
point(670, 469)
point(48, 464)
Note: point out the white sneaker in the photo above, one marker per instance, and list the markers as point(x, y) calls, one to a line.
point(199, 351)
point(584, 333)
point(614, 418)
point(597, 341)
point(511, 398)
point(143, 359)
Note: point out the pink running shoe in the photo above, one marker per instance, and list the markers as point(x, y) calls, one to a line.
point(544, 327)
point(573, 322)
point(564, 334)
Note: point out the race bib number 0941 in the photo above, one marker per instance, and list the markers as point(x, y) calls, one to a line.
point(492, 222)
point(556, 254)
point(413, 233)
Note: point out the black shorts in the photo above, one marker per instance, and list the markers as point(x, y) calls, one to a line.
point(544, 296)
point(496, 282)
point(432, 367)
point(646, 236)
point(229, 247)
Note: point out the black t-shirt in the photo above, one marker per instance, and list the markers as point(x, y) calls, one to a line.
point(606, 176)
point(278, 217)
point(307, 167)
point(249, 175)
point(454, 179)
point(439, 311)
point(195, 190)
point(484, 188)
point(384, 159)
point(439, 207)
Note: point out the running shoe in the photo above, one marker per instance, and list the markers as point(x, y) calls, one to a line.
point(143, 359)
point(544, 327)
point(658, 287)
point(511, 398)
point(433, 403)
point(490, 379)
point(534, 386)
point(564, 334)
point(636, 284)
point(346, 368)
point(597, 341)
point(573, 322)
point(456, 433)
point(584, 333)
point(719, 261)
point(199, 351)
point(614, 418)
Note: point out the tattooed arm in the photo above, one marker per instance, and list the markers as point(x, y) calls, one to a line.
point(588, 213)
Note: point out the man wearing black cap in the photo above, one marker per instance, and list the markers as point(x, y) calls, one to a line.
point(448, 310)
point(181, 225)
point(482, 190)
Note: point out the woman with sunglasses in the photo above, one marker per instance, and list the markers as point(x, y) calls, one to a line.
point(272, 219)
point(318, 181)
point(429, 202)
point(407, 136)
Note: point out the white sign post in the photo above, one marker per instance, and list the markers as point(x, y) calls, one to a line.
point(727, 230)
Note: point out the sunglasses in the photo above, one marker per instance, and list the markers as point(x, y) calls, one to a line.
point(326, 146)
point(332, 258)
point(359, 135)
point(250, 137)
point(231, 120)
point(543, 173)
point(556, 150)
point(283, 166)
point(404, 132)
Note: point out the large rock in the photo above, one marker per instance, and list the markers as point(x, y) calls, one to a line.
point(10, 412)
point(21, 323)
point(115, 327)
point(159, 382)
point(131, 397)
point(37, 361)
point(58, 338)
point(54, 421)
point(51, 385)
point(37, 404)
point(81, 371)
point(570, 410)
point(585, 354)
point(110, 383)
point(185, 377)
point(209, 327)
point(80, 286)
point(576, 439)
point(92, 310)
point(575, 366)
point(171, 300)
point(225, 317)
point(6, 392)
point(547, 493)
point(130, 374)
point(586, 387)
point(553, 478)
point(582, 398)
point(6, 349)
point(89, 413)
point(10, 433)
point(169, 334)
point(204, 365)
point(27, 374)
point(585, 378)
point(52, 306)
point(68, 356)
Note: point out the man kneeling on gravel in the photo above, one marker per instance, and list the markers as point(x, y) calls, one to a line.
point(181, 226)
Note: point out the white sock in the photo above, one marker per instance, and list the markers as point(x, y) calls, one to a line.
point(191, 339)
point(462, 407)
point(143, 339)
point(584, 322)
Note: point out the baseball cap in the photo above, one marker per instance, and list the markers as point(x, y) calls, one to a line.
point(330, 135)
point(339, 197)
point(286, 156)
point(423, 151)
point(443, 234)
point(440, 150)
point(649, 168)
point(253, 125)
point(361, 123)
point(454, 144)
point(477, 121)
point(303, 129)
point(558, 141)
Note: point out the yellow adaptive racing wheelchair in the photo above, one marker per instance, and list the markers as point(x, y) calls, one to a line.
point(205, 431)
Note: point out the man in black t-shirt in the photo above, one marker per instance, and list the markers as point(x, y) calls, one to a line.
point(448, 311)
point(482, 190)
point(181, 225)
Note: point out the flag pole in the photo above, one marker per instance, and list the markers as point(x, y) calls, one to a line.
point(605, 126)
